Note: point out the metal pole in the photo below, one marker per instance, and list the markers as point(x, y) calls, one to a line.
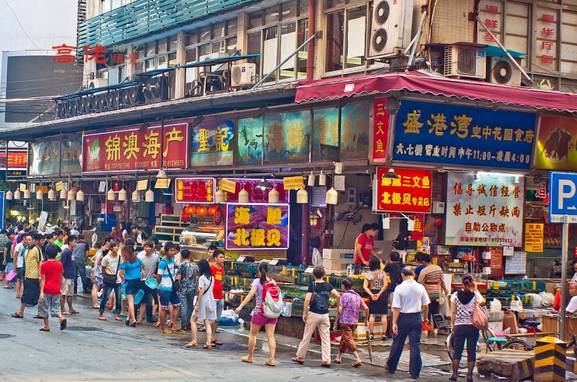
point(564, 253)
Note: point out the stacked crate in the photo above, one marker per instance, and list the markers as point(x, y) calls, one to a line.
point(335, 261)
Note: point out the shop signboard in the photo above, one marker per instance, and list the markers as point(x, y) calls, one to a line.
point(256, 192)
point(257, 226)
point(149, 148)
point(484, 210)
point(534, 237)
point(14, 159)
point(380, 130)
point(228, 185)
point(55, 157)
point(562, 197)
point(409, 192)
point(556, 143)
point(212, 143)
point(286, 136)
point(462, 135)
point(293, 182)
point(250, 140)
point(194, 190)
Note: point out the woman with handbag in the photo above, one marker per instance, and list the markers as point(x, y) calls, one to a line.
point(205, 309)
point(110, 267)
point(464, 302)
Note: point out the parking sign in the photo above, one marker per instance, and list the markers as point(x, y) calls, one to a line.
point(563, 197)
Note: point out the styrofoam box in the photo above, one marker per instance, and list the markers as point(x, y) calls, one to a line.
point(334, 254)
point(360, 332)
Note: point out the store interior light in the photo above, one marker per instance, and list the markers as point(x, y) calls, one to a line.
point(302, 196)
point(322, 179)
point(17, 194)
point(149, 196)
point(273, 196)
point(70, 196)
point(51, 194)
point(9, 195)
point(27, 193)
point(80, 196)
point(110, 196)
point(39, 194)
point(63, 194)
point(135, 197)
point(311, 180)
point(332, 196)
point(243, 196)
point(122, 195)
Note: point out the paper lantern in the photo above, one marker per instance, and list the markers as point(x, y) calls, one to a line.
point(302, 196)
point(110, 195)
point(135, 196)
point(273, 196)
point(189, 210)
point(51, 194)
point(17, 194)
point(122, 195)
point(201, 211)
point(311, 180)
point(27, 194)
point(63, 194)
point(9, 195)
point(39, 195)
point(243, 196)
point(219, 196)
point(80, 196)
point(332, 196)
point(149, 196)
point(212, 210)
point(322, 179)
point(70, 196)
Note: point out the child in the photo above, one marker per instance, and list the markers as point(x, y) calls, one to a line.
point(348, 311)
point(50, 277)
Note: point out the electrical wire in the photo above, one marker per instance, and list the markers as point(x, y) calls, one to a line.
point(20, 24)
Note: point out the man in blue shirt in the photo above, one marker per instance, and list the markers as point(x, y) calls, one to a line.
point(167, 293)
point(68, 276)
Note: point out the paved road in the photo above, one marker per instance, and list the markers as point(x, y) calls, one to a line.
point(91, 350)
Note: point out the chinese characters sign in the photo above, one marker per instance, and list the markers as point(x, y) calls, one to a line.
point(490, 13)
point(534, 233)
point(194, 190)
point(484, 210)
point(257, 226)
point(546, 34)
point(136, 149)
point(16, 159)
point(212, 143)
point(556, 143)
point(380, 130)
point(453, 134)
point(409, 192)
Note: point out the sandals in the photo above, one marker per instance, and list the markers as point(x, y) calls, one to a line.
point(218, 343)
point(326, 365)
point(207, 347)
point(63, 324)
point(44, 330)
point(270, 363)
point(16, 315)
point(338, 361)
point(357, 364)
point(298, 360)
point(191, 345)
point(102, 318)
point(246, 360)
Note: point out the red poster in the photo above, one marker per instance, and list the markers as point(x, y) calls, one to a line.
point(419, 228)
point(16, 159)
point(497, 262)
point(410, 191)
point(136, 149)
point(380, 130)
point(195, 190)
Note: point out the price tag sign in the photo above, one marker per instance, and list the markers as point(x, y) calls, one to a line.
point(228, 185)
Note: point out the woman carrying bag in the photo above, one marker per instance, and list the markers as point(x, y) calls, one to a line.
point(376, 284)
point(205, 309)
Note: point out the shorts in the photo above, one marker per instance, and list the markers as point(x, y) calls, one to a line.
point(219, 308)
point(31, 292)
point(262, 320)
point(168, 297)
point(67, 287)
point(9, 267)
point(20, 273)
point(50, 304)
point(132, 286)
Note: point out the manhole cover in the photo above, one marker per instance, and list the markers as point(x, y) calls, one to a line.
point(3, 335)
point(83, 329)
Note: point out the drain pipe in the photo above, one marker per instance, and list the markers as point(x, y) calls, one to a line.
point(311, 47)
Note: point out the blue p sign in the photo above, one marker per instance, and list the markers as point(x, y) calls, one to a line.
point(562, 197)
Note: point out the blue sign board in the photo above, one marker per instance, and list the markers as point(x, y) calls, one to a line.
point(471, 136)
point(563, 197)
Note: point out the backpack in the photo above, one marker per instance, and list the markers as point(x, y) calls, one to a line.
point(272, 302)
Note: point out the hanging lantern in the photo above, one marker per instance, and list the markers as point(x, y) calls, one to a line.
point(302, 196)
point(70, 196)
point(17, 194)
point(149, 196)
point(201, 211)
point(212, 210)
point(63, 194)
point(243, 196)
point(311, 180)
point(51, 194)
point(135, 196)
point(219, 196)
point(27, 193)
point(332, 196)
point(110, 195)
point(273, 196)
point(39, 195)
point(80, 196)
point(322, 179)
point(122, 195)
point(9, 195)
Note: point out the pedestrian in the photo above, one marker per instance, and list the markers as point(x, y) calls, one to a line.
point(79, 256)
point(316, 316)
point(463, 305)
point(364, 246)
point(258, 319)
point(431, 277)
point(205, 308)
point(393, 268)
point(18, 256)
point(217, 268)
point(410, 306)
point(110, 268)
point(68, 276)
point(169, 301)
point(149, 259)
point(375, 285)
point(131, 271)
point(350, 306)
point(8, 258)
point(50, 280)
point(3, 240)
point(420, 259)
point(96, 274)
point(31, 269)
point(187, 276)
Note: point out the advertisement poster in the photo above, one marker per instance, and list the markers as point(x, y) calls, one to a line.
point(380, 130)
point(250, 140)
point(484, 210)
point(194, 190)
point(212, 143)
point(257, 226)
point(409, 192)
point(534, 237)
point(463, 135)
point(287, 136)
point(45, 157)
point(355, 118)
point(557, 143)
point(136, 149)
point(325, 134)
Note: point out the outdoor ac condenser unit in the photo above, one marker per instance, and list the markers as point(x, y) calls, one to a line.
point(501, 71)
point(390, 27)
point(243, 74)
point(98, 83)
point(464, 61)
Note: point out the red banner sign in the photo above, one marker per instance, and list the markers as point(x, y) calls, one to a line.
point(16, 159)
point(136, 149)
point(409, 191)
point(380, 130)
point(195, 190)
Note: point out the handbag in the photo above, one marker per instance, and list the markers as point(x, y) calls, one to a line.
point(110, 280)
point(175, 284)
point(480, 317)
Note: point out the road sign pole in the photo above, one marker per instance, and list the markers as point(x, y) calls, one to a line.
point(564, 260)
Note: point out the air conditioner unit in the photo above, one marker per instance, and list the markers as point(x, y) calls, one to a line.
point(502, 71)
point(98, 83)
point(391, 27)
point(155, 90)
point(465, 61)
point(243, 74)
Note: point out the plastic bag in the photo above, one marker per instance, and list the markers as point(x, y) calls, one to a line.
point(546, 298)
point(536, 300)
point(516, 304)
point(495, 306)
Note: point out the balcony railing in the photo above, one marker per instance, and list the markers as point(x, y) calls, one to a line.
point(143, 17)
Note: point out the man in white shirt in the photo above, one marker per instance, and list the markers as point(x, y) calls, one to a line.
point(410, 307)
point(572, 306)
point(149, 259)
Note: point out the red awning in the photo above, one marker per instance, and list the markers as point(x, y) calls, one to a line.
point(334, 88)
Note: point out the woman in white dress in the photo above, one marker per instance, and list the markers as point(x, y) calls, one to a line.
point(205, 308)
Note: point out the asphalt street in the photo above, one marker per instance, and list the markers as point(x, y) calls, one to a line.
point(91, 350)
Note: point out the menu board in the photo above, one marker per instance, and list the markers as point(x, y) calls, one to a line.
point(517, 264)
